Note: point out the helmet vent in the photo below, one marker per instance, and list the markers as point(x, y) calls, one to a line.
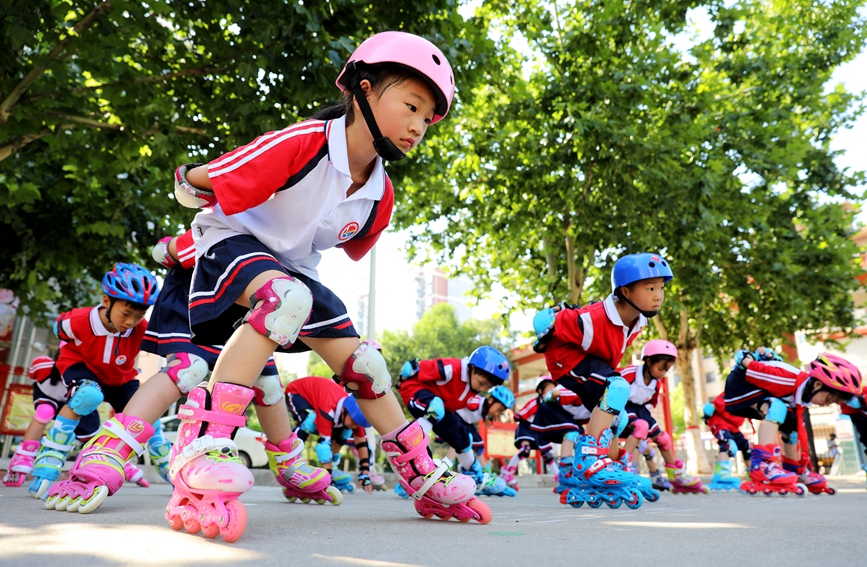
point(436, 59)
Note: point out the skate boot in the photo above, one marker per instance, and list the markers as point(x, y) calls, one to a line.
point(722, 477)
point(100, 468)
point(435, 489)
point(134, 474)
point(815, 483)
point(507, 473)
point(659, 482)
point(401, 491)
point(21, 463)
point(598, 479)
point(683, 482)
point(766, 475)
point(158, 449)
point(49, 461)
point(487, 483)
point(299, 479)
point(377, 481)
point(641, 483)
point(342, 481)
point(204, 466)
point(564, 480)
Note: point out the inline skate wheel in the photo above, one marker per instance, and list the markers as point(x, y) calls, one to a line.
point(636, 501)
point(800, 489)
point(594, 503)
point(175, 521)
point(305, 500)
point(192, 525)
point(211, 531)
point(336, 496)
point(614, 504)
point(94, 502)
point(483, 513)
point(236, 523)
point(75, 505)
point(652, 497)
point(577, 504)
point(831, 491)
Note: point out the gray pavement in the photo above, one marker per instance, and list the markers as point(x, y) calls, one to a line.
point(381, 530)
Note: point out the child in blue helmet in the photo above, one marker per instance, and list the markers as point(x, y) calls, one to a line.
point(96, 364)
point(583, 347)
point(434, 391)
point(319, 406)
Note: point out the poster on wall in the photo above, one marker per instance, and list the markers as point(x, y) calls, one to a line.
point(18, 410)
point(8, 307)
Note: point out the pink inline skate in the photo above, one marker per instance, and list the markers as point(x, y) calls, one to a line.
point(134, 474)
point(377, 481)
point(816, 483)
point(507, 473)
point(683, 482)
point(297, 477)
point(22, 463)
point(766, 475)
point(204, 466)
point(99, 470)
point(435, 489)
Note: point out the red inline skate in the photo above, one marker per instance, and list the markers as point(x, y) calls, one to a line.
point(766, 475)
point(816, 483)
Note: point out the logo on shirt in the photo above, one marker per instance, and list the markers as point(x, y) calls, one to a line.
point(348, 231)
point(120, 359)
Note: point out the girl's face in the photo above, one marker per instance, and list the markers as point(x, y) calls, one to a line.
point(403, 112)
point(659, 369)
point(495, 410)
point(547, 388)
point(648, 294)
point(826, 398)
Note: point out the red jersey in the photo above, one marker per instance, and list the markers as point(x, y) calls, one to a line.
point(110, 356)
point(326, 398)
point(186, 250)
point(639, 392)
point(779, 379)
point(721, 420)
point(447, 378)
point(593, 330)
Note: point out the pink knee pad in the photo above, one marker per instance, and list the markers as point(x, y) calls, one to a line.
point(365, 374)
point(186, 370)
point(44, 413)
point(640, 428)
point(286, 304)
point(267, 391)
point(664, 441)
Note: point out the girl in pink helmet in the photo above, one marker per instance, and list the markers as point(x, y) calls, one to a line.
point(777, 394)
point(270, 208)
point(645, 380)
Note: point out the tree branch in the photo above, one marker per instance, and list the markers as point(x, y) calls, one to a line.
point(57, 53)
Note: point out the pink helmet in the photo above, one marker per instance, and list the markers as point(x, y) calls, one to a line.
point(836, 373)
point(658, 346)
point(413, 52)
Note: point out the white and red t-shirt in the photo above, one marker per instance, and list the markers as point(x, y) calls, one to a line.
point(326, 398)
point(593, 330)
point(288, 190)
point(447, 378)
point(639, 392)
point(110, 356)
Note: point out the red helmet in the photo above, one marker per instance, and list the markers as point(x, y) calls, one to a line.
point(836, 373)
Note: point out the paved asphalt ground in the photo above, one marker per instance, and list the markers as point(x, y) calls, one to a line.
point(381, 530)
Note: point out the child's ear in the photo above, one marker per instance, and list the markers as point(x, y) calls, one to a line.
point(106, 301)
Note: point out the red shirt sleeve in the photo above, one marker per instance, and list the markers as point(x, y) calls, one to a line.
point(777, 380)
point(186, 249)
point(567, 327)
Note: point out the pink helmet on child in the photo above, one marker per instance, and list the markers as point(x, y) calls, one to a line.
point(658, 346)
point(411, 51)
point(836, 373)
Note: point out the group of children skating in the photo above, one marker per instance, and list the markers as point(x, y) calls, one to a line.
point(243, 283)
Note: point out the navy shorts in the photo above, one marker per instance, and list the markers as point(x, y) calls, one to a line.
point(451, 429)
point(222, 276)
point(524, 434)
point(588, 379)
point(859, 420)
point(169, 325)
point(635, 412)
point(723, 436)
point(552, 422)
point(298, 409)
point(745, 400)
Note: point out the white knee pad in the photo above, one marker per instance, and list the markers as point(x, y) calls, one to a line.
point(186, 370)
point(85, 397)
point(267, 390)
point(286, 304)
point(367, 369)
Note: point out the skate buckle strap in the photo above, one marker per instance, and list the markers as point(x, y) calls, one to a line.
point(209, 416)
point(432, 478)
point(597, 466)
point(117, 429)
point(206, 444)
point(47, 442)
point(25, 452)
point(401, 458)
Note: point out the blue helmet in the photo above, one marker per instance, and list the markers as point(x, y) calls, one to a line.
point(503, 395)
point(636, 267)
point(492, 361)
point(132, 283)
point(351, 407)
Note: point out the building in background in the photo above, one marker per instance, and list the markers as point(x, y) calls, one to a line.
point(433, 288)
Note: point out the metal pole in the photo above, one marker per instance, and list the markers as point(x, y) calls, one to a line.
point(371, 298)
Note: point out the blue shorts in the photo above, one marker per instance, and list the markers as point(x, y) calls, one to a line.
point(745, 400)
point(222, 276)
point(524, 434)
point(116, 396)
point(169, 325)
point(636, 411)
point(552, 422)
point(451, 429)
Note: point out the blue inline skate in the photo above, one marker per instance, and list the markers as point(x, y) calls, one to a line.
point(722, 477)
point(401, 491)
point(598, 479)
point(640, 483)
point(342, 481)
point(487, 484)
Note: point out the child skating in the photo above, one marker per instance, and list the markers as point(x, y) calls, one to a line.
point(527, 440)
point(582, 348)
point(726, 430)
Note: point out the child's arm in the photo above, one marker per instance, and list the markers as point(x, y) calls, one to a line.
point(776, 380)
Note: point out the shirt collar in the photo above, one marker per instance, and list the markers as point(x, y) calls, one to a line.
point(614, 315)
point(99, 329)
point(335, 133)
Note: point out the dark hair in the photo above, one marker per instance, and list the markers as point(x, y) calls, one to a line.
point(382, 77)
point(132, 304)
point(540, 387)
point(660, 357)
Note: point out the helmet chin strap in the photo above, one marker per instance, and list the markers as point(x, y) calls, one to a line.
point(648, 314)
point(383, 146)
